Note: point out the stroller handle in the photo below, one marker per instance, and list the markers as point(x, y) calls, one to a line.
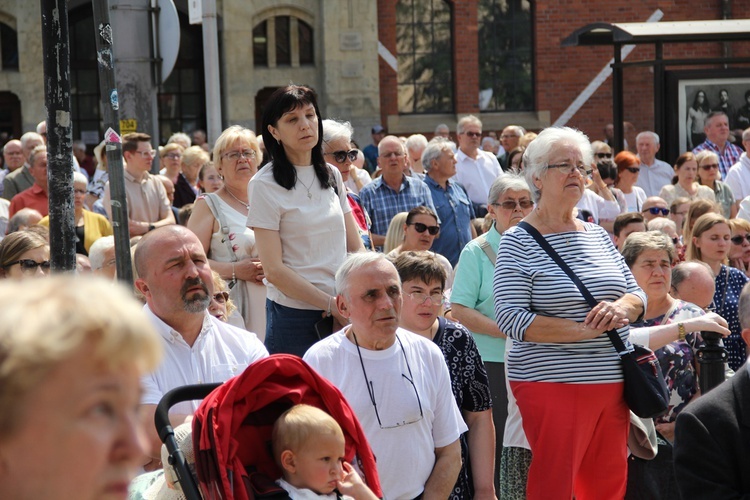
point(171, 398)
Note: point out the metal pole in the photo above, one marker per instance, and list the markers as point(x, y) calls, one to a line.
point(113, 146)
point(617, 108)
point(659, 102)
point(211, 70)
point(56, 51)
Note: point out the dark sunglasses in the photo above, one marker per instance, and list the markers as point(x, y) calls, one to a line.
point(29, 264)
point(340, 156)
point(421, 228)
point(710, 166)
point(657, 211)
point(473, 134)
point(221, 297)
point(737, 240)
point(633, 170)
point(512, 204)
point(604, 155)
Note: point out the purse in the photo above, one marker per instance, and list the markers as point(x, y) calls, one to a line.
point(646, 391)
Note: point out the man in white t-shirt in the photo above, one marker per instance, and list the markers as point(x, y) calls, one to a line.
point(738, 178)
point(396, 382)
point(175, 279)
point(654, 173)
point(476, 170)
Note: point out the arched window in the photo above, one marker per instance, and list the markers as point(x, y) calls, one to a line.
point(8, 47)
point(424, 47)
point(283, 41)
point(506, 55)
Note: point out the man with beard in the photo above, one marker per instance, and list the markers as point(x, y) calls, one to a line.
point(176, 281)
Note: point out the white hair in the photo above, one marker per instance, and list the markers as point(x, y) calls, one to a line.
point(415, 142)
point(510, 181)
point(28, 136)
point(466, 120)
point(354, 262)
point(661, 223)
point(78, 177)
point(98, 249)
point(433, 150)
point(334, 130)
point(648, 133)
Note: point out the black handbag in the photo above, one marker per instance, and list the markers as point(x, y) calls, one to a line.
point(646, 391)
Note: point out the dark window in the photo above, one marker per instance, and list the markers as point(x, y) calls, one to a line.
point(506, 55)
point(85, 98)
point(424, 51)
point(260, 44)
point(283, 43)
point(305, 42)
point(9, 44)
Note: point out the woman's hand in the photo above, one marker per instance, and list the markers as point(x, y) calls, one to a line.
point(710, 322)
point(606, 316)
point(666, 430)
point(250, 270)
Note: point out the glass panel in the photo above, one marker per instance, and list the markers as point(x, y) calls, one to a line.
point(9, 43)
point(306, 49)
point(87, 81)
point(283, 52)
point(189, 80)
point(88, 107)
point(191, 104)
point(260, 44)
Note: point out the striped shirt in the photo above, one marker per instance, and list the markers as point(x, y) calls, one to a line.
point(729, 157)
point(528, 282)
point(383, 203)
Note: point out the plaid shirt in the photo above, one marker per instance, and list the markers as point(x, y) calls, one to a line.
point(729, 157)
point(383, 203)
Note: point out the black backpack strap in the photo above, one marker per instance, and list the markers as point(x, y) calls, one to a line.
point(612, 334)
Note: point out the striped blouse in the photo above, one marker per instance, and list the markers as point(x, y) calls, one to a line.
point(528, 282)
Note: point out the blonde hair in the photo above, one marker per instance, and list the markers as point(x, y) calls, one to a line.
point(697, 209)
point(45, 322)
point(172, 146)
point(703, 224)
point(232, 135)
point(297, 425)
point(195, 156)
point(395, 234)
point(221, 286)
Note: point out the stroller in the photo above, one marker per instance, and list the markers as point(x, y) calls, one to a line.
point(232, 429)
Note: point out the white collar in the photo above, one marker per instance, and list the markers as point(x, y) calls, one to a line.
point(302, 493)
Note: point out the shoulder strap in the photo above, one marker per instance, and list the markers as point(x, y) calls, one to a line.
point(612, 334)
point(213, 204)
point(487, 249)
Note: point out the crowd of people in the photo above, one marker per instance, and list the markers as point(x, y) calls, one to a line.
point(419, 276)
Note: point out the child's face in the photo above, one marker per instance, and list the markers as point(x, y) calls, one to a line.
point(318, 463)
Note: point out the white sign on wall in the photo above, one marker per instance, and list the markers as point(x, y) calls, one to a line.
point(195, 11)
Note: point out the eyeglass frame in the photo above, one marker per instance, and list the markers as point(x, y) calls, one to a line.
point(741, 238)
point(516, 203)
point(426, 296)
point(371, 390)
point(656, 211)
point(341, 156)
point(582, 169)
point(248, 154)
point(603, 155)
point(433, 230)
point(224, 297)
point(146, 154)
point(25, 266)
point(472, 134)
point(710, 166)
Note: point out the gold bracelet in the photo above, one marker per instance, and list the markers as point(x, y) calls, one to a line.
point(681, 331)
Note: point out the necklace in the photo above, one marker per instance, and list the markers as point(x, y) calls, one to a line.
point(246, 205)
point(538, 216)
point(308, 188)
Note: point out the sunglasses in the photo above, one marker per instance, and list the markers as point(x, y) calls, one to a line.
point(737, 240)
point(29, 264)
point(604, 155)
point(341, 156)
point(657, 211)
point(512, 204)
point(473, 134)
point(633, 170)
point(221, 297)
point(421, 228)
point(710, 166)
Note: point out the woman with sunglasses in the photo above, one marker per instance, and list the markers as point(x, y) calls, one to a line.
point(24, 254)
point(684, 182)
point(420, 230)
point(472, 305)
point(219, 219)
point(423, 282)
point(708, 175)
point(628, 168)
point(710, 243)
point(739, 252)
point(221, 306)
point(303, 224)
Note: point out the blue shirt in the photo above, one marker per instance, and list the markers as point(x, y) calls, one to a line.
point(371, 157)
point(383, 203)
point(455, 212)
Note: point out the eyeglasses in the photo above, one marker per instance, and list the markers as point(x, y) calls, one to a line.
point(393, 154)
point(147, 154)
point(421, 228)
point(710, 166)
point(341, 156)
point(675, 241)
point(420, 298)
point(371, 390)
point(79, 191)
point(656, 211)
point(473, 134)
point(512, 204)
point(508, 136)
point(603, 155)
point(173, 156)
point(29, 265)
point(737, 240)
point(248, 154)
point(567, 169)
point(633, 170)
point(221, 297)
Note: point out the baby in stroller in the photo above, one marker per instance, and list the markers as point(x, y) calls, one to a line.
point(308, 445)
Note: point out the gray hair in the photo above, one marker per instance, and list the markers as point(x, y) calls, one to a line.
point(744, 307)
point(80, 178)
point(637, 243)
point(442, 126)
point(660, 224)
point(648, 133)
point(180, 138)
point(29, 136)
point(537, 154)
point(97, 250)
point(467, 120)
point(393, 138)
point(36, 151)
point(684, 270)
point(488, 140)
point(516, 129)
point(433, 151)
point(354, 262)
point(746, 134)
point(415, 142)
point(334, 130)
point(509, 181)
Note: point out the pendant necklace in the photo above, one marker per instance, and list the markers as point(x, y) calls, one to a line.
point(308, 188)
point(246, 205)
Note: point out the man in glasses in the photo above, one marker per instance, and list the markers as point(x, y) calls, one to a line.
point(176, 281)
point(454, 209)
point(654, 173)
point(396, 382)
point(654, 207)
point(476, 170)
point(148, 204)
point(509, 138)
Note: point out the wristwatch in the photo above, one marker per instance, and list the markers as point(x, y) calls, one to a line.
point(680, 331)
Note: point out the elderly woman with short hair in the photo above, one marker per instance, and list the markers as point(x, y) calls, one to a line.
point(509, 200)
point(186, 187)
point(650, 255)
point(563, 369)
